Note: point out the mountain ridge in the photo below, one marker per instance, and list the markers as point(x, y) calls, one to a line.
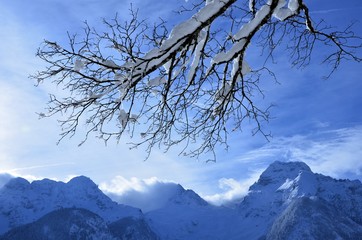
point(288, 201)
point(22, 202)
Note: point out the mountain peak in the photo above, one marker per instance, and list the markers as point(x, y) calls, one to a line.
point(81, 181)
point(22, 202)
point(278, 172)
point(45, 184)
point(292, 168)
point(187, 197)
point(17, 183)
point(288, 202)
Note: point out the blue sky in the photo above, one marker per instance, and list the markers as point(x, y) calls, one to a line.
point(317, 121)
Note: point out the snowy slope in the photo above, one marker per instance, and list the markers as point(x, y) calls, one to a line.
point(187, 216)
point(288, 201)
point(289, 198)
point(23, 202)
point(265, 201)
point(313, 218)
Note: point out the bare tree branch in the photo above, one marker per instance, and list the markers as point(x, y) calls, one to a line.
point(190, 87)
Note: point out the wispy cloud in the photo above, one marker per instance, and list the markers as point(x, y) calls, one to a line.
point(334, 10)
point(40, 166)
point(331, 152)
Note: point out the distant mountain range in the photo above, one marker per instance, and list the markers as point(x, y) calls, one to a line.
point(288, 201)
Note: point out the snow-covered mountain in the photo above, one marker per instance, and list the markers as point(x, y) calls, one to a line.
point(22, 202)
point(187, 216)
point(288, 201)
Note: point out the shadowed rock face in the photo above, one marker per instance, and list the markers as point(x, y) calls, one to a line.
point(63, 224)
point(131, 228)
point(78, 224)
point(314, 218)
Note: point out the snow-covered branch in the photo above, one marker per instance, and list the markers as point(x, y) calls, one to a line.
point(191, 86)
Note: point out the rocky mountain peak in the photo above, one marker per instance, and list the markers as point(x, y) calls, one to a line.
point(17, 184)
point(278, 172)
point(82, 182)
point(186, 197)
point(22, 202)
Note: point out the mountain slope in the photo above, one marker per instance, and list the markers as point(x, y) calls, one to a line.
point(264, 201)
point(63, 224)
point(289, 196)
point(22, 202)
point(78, 223)
point(187, 216)
point(288, 201)
point(132, 229)
point(313, 218)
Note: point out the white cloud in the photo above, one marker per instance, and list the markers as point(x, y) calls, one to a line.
point(232, 190)
point(335, 153)
point(338, 154)
point(146, 194)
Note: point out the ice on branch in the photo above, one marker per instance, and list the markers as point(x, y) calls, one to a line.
point(201, 41)
point(223, 92)
point(281, 12)
point(110, 63)
point(241, 36)
point(293, 5)
point(222, 97)
point(176, 39)
point(157, 81)
point(119, 76)
point(123, 118)
point(133, 118)
point(167, 66)
point(78, 65)
point(251, 5)
point(245, 68)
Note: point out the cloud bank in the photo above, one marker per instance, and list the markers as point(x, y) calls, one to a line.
point(146, 194)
